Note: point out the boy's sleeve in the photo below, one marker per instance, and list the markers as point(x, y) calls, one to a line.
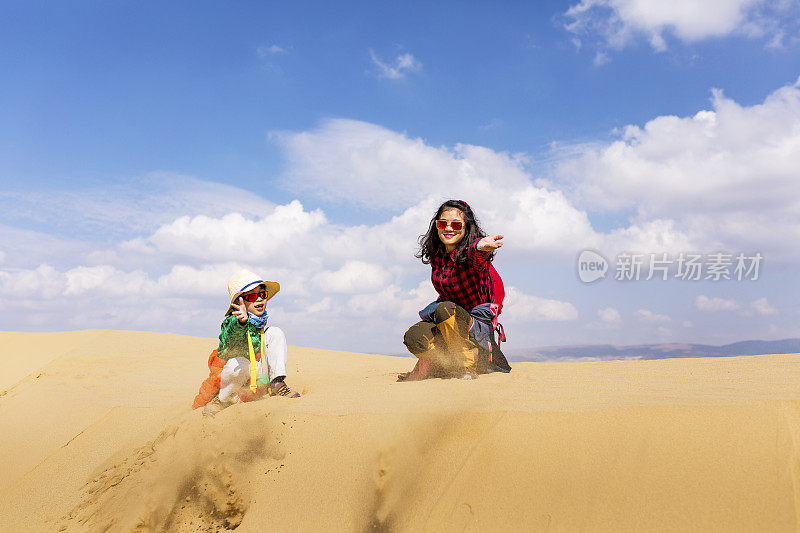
point(230, 329)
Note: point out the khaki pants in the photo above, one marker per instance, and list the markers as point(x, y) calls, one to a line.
point(445, 342)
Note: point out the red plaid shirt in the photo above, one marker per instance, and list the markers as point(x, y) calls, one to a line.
point(468, 284)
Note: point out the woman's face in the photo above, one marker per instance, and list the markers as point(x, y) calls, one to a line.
point(449, 236)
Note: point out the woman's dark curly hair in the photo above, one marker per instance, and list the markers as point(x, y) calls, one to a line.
point(430, 244)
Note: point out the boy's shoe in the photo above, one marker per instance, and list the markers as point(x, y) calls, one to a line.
point(279, 388)
point(469, 375)
point(213, 407)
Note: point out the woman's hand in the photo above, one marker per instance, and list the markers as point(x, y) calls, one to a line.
point(240, 311)
point(490, 243)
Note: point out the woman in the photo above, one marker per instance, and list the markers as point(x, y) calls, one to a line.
point(455, 336)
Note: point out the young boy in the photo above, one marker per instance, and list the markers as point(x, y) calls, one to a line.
point(229, 365)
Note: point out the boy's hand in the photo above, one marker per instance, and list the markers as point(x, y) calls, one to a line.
point(490, 243)
point(240, 311)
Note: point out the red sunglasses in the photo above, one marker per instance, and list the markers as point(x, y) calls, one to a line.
point(253, 296)
point(455, 224)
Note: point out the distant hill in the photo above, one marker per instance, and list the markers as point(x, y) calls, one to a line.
point(652, 351)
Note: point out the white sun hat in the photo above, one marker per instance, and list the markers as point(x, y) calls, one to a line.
point(244, 281)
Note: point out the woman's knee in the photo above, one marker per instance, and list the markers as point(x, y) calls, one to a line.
point(417, 339)
point(414, 341)
point(444, 311)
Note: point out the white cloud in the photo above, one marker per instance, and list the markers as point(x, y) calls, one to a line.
point(370, 166)
point(403, 64)
point(354, 277)
point(609, 315)
point(710, 160)
point(521, 307)
point(610, 319)
point(213, 248)
point(326, 306)
point(720, 179)
point(237, 237)
point(207, 280)
point(379, 169)
point(105, 281)
point(649, 236)
point(614, 24)
point(601, 58)
point(44, 282)
point(126, 208)
point(712, 305)
point(393, 304)
point(493, 124)
point(762, 307)
point(367, 165)
point(186, 299)
point(654, 318)
point(290, 239)
point(385, 301)
point(363, 163)
point(273, 49)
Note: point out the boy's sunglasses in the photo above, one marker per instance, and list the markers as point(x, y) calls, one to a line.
point(455, 224)
point(253, 296)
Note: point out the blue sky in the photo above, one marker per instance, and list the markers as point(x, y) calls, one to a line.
point(133, 135)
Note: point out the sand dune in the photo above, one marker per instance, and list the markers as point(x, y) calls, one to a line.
point(98, 436)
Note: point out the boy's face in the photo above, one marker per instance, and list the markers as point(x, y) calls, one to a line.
point(256, 307)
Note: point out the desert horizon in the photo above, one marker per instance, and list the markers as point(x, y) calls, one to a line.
point(99, 435)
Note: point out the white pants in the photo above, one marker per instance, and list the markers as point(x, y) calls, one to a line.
point(236, 372)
